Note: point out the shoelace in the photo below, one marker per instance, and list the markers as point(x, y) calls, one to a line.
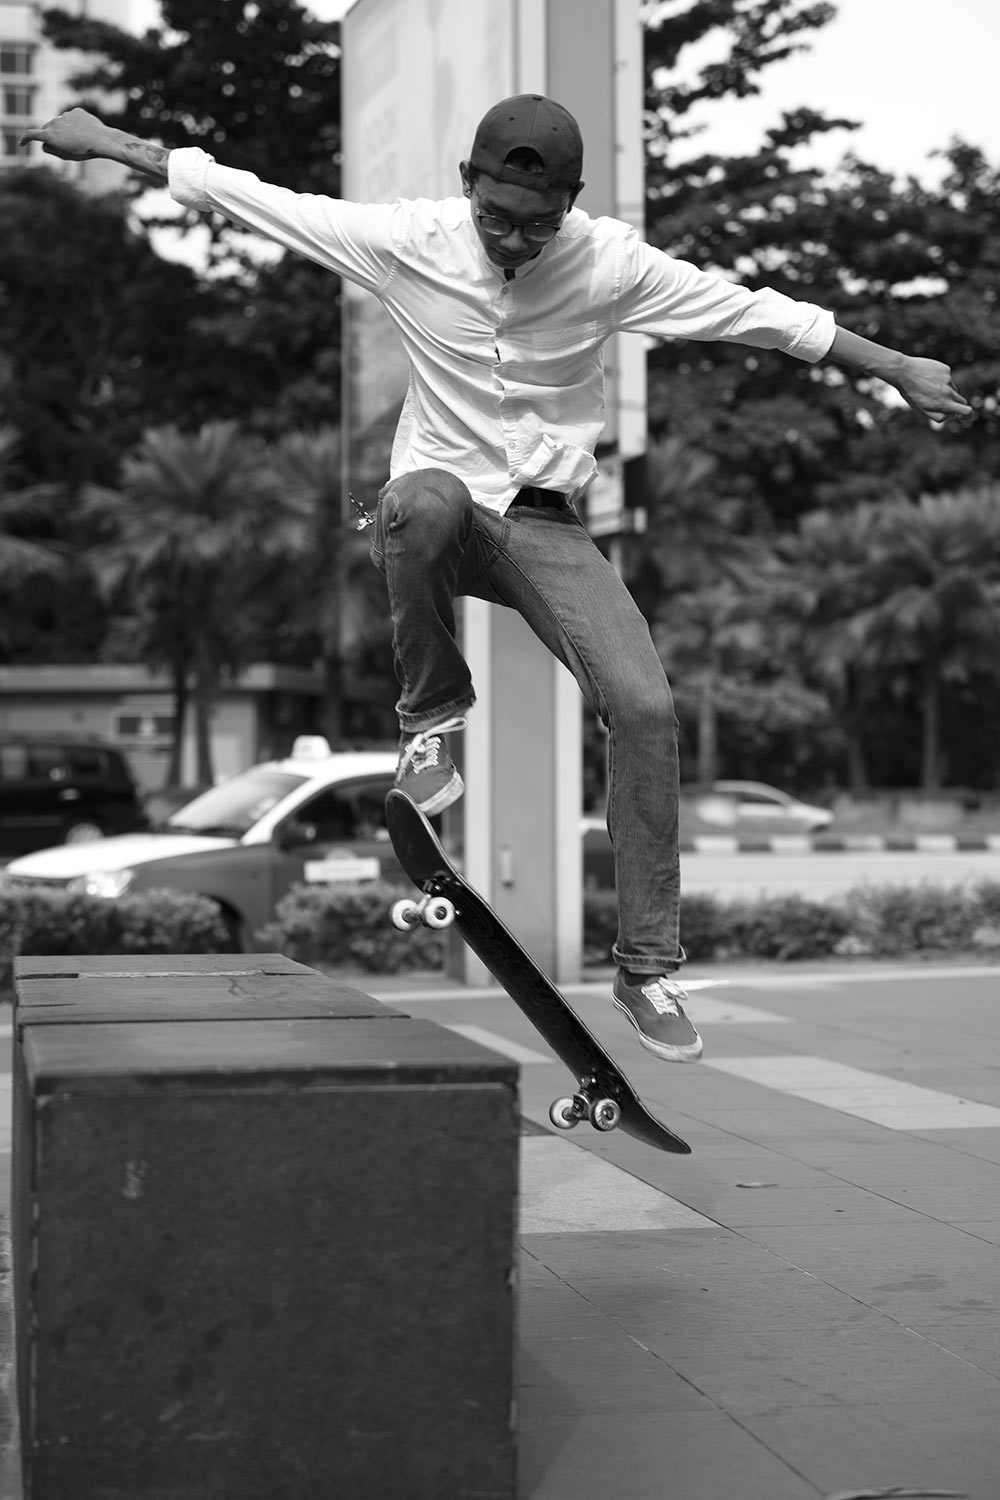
point(423, 750)
point(663, 996)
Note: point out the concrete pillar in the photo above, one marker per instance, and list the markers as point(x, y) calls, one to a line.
point(518, 826)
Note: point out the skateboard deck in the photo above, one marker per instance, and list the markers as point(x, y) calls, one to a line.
point(603, 1094)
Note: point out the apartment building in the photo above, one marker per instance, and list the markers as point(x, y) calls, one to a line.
point(34, 83)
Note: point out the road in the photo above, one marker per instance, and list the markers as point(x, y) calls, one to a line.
point(819, 874)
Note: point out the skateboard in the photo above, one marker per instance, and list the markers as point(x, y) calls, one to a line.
point(603, 1094)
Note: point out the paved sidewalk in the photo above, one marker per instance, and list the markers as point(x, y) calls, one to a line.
point(806, 1306)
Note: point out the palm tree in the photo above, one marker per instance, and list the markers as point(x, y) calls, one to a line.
point(202, 526)
point(827, 574)
point(342, 598)
point(23, 559)
point(938, 611)
point(703, 579)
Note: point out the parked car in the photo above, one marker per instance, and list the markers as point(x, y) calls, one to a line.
point(746, 808)
point(733, 809)
point(59, 790)
point(315, 816)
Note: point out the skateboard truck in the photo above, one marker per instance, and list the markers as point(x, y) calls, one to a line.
point(587, 1103)
point(433, 911)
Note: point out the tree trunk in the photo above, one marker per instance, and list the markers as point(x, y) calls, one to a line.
point(175, 766)
point(205, 694)
point(851, 722)
point(931, 708)
point(332, 715)
point(708, 727)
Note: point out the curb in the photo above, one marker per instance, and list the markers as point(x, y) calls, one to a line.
point(860, 843)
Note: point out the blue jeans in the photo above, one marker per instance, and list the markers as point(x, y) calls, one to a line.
point(433, 544)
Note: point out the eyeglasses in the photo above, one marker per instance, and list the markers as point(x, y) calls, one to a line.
point(538, 234)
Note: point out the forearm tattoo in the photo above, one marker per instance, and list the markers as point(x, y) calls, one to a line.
point(148, 158)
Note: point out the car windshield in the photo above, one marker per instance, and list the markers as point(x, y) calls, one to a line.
point(233, 807)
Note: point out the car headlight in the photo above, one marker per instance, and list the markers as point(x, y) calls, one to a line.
point(108, 883)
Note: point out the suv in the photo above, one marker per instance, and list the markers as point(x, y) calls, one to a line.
point(56, 790)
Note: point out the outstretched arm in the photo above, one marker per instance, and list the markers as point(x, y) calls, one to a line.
point(925, 384)
point(78, 135)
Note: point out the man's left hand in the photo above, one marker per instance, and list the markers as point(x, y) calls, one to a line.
point(927, 386)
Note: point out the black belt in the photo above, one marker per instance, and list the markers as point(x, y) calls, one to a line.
point(540, 499)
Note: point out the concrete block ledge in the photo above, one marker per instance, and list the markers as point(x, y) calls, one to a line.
point(263, 1232)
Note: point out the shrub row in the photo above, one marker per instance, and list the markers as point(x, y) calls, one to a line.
point(346, 927)
point(882, 921)
point(56, 921)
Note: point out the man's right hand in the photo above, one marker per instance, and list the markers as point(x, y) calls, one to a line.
point(76, 135)
point(80, 136)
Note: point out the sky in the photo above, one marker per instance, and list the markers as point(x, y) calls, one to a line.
point(916, 73)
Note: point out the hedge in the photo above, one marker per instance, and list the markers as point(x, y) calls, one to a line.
point(41, 921)
point(347, 927)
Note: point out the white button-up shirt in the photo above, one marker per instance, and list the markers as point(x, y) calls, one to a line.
point(506, 383)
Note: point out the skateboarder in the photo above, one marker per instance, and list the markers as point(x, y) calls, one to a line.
point(503, 299)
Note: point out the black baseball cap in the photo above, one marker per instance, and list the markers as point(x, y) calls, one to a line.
point(541, 125)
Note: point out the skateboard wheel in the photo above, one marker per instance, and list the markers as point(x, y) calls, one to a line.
point(439, 912)
point(405, 915)
point(605, 1114)
point(563, 1114)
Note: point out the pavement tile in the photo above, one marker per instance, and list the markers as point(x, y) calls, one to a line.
point(926, 1445)
point(870, 1358)
point(983, 1229)
point(626, 1254)
point(896, 1162)
point(694, 1455)
point(770, 1203)
point(601, 1373)
point(879, 1249)
point(974, 1339)
point(947, 1201)
point(684, 1309)
point(983, 1145)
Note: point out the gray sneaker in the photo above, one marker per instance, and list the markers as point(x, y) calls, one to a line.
point(653, 1005)
point(426, 772)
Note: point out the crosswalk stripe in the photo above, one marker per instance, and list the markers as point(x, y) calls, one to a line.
point(498, 1043)
point(855, 1091)
point(566, 1189)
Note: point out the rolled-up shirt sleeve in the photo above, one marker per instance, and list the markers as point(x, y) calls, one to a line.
point(354, 239)
point(672, 299)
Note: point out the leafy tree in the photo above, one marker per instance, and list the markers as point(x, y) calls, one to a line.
point(335, 599)
point(95, 328)
point(825, 577)
point(24, 559)
point(891, 260)
point(695, 574)
point(256, 84)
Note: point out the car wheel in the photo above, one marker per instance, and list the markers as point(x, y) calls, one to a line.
point(84, 831)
